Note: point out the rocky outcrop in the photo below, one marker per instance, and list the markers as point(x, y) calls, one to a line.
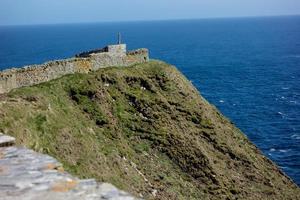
point(25, 174)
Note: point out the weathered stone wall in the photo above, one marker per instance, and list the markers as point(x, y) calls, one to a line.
point(25, 174)
point(113, 49)
point(113, 55)
point(120, 48)
point(140, 55)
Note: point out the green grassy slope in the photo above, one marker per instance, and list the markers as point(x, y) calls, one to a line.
point(145, 129)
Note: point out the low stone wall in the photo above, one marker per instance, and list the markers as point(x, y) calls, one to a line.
point(91, 61)
point(141, 55)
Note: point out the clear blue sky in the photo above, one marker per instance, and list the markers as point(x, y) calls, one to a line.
point(73, 11)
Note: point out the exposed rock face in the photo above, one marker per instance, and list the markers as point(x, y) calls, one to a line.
point(27, 175)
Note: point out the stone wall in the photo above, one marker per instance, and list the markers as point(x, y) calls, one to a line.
point(112, 55)
point(119, 48)
point(141, 55)
point(25, 174)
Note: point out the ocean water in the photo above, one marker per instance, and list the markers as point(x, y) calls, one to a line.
point(248, 67)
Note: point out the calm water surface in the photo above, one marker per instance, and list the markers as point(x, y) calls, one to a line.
point(248, 67)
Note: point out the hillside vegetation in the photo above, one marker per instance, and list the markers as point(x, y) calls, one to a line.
point(145, 129)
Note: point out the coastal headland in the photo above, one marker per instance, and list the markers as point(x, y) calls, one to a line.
point(139, 124)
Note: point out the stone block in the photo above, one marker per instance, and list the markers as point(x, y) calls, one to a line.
point(6, 140)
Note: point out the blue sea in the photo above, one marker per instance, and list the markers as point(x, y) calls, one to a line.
point(248, 67)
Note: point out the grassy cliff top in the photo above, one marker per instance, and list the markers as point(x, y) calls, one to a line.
point(145, 129)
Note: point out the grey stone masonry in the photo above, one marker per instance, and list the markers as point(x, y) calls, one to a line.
point(28, 175)
point(111, 55)
point(6, 140)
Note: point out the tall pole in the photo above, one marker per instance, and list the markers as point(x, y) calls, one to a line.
point(119, 38)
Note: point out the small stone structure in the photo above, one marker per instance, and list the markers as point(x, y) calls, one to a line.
point(25, 174)
point(111, 55)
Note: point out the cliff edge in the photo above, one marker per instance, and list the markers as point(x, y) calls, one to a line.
point(145, 129)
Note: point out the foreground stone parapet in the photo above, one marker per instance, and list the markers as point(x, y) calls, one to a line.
point(25, 174)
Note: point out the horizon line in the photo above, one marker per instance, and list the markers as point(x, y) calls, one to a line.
point(154, 20)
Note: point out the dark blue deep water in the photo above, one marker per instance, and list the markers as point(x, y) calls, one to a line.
point(248, 67)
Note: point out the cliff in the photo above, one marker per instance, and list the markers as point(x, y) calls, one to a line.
point(145, 129)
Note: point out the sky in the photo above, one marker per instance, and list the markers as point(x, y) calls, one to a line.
point(20, 12)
